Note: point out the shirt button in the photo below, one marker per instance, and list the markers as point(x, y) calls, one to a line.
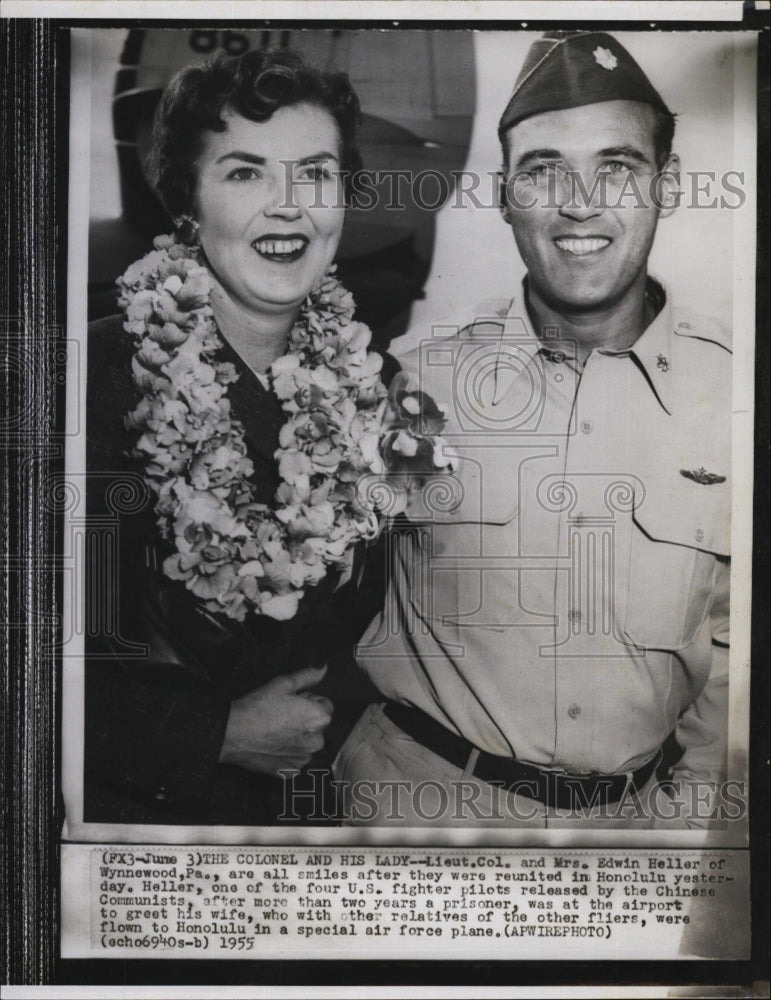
point(574, 711)
point(587, 427)
point(574, 615)
point(558, 357)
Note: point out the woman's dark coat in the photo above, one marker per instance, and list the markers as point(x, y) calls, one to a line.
point(160, 670)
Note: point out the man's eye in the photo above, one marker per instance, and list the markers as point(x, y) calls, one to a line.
point(541, 173)
point(615, 167)
point(242, 174)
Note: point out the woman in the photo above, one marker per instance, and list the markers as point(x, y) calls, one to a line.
point(239, 581)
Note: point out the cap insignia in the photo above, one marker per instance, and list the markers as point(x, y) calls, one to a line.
point(605, 58)
point(702, 477)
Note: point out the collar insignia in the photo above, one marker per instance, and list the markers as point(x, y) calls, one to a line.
point(702, 477)
point(662, 363)
point(605, 58)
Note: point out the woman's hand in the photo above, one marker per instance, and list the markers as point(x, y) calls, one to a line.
point(277, 727)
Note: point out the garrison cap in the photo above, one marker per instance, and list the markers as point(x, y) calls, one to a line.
point(568, 69)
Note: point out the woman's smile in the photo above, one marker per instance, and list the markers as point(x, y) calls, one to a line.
point(281, 248)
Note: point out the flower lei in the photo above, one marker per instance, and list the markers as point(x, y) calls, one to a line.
point(344, 432)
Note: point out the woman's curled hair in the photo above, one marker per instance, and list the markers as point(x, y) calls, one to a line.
point(254, 85)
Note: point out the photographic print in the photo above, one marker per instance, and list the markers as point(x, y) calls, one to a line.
point(404, 501)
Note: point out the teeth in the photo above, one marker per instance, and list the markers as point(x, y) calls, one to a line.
point(274, 247)
point(582, 246)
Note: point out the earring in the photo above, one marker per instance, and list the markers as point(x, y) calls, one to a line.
point(187, 231)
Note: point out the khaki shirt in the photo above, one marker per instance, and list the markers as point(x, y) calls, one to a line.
point(565, 597)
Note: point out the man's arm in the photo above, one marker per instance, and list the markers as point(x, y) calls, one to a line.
point(702, 730)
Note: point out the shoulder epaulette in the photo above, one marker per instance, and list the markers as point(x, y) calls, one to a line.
point(445, 328)
point(490, 313)
point(699, 327)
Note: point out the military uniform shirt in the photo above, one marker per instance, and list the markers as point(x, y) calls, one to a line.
point(565, 597)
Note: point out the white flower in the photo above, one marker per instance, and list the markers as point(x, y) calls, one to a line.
point(405, 444)
point(358, 338)
point(282, 608)
point(325, 379)
point(605, 58)
point(140, 270)
point(294, 466)
point(252, 568)
point(285, 364)
point(369, 447)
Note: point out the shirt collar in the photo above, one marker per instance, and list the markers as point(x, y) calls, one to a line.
point(519, 345)
point(652, 350)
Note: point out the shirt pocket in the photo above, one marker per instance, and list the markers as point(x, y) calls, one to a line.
point(679, 527)
point(451, 569)
point(483, 490)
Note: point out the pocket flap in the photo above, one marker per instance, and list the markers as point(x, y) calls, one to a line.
point(483, 490)
point(686, 511)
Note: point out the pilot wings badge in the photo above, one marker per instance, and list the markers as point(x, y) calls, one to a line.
point(702, 477)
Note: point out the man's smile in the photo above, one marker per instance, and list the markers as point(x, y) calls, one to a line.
point(581, 246)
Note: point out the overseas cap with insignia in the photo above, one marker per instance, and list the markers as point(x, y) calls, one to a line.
point(565, 69)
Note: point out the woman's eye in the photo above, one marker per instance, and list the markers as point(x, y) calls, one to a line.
point(242, 174)
point(316, 172)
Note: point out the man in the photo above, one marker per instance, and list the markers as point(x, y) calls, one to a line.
point(561, 614)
